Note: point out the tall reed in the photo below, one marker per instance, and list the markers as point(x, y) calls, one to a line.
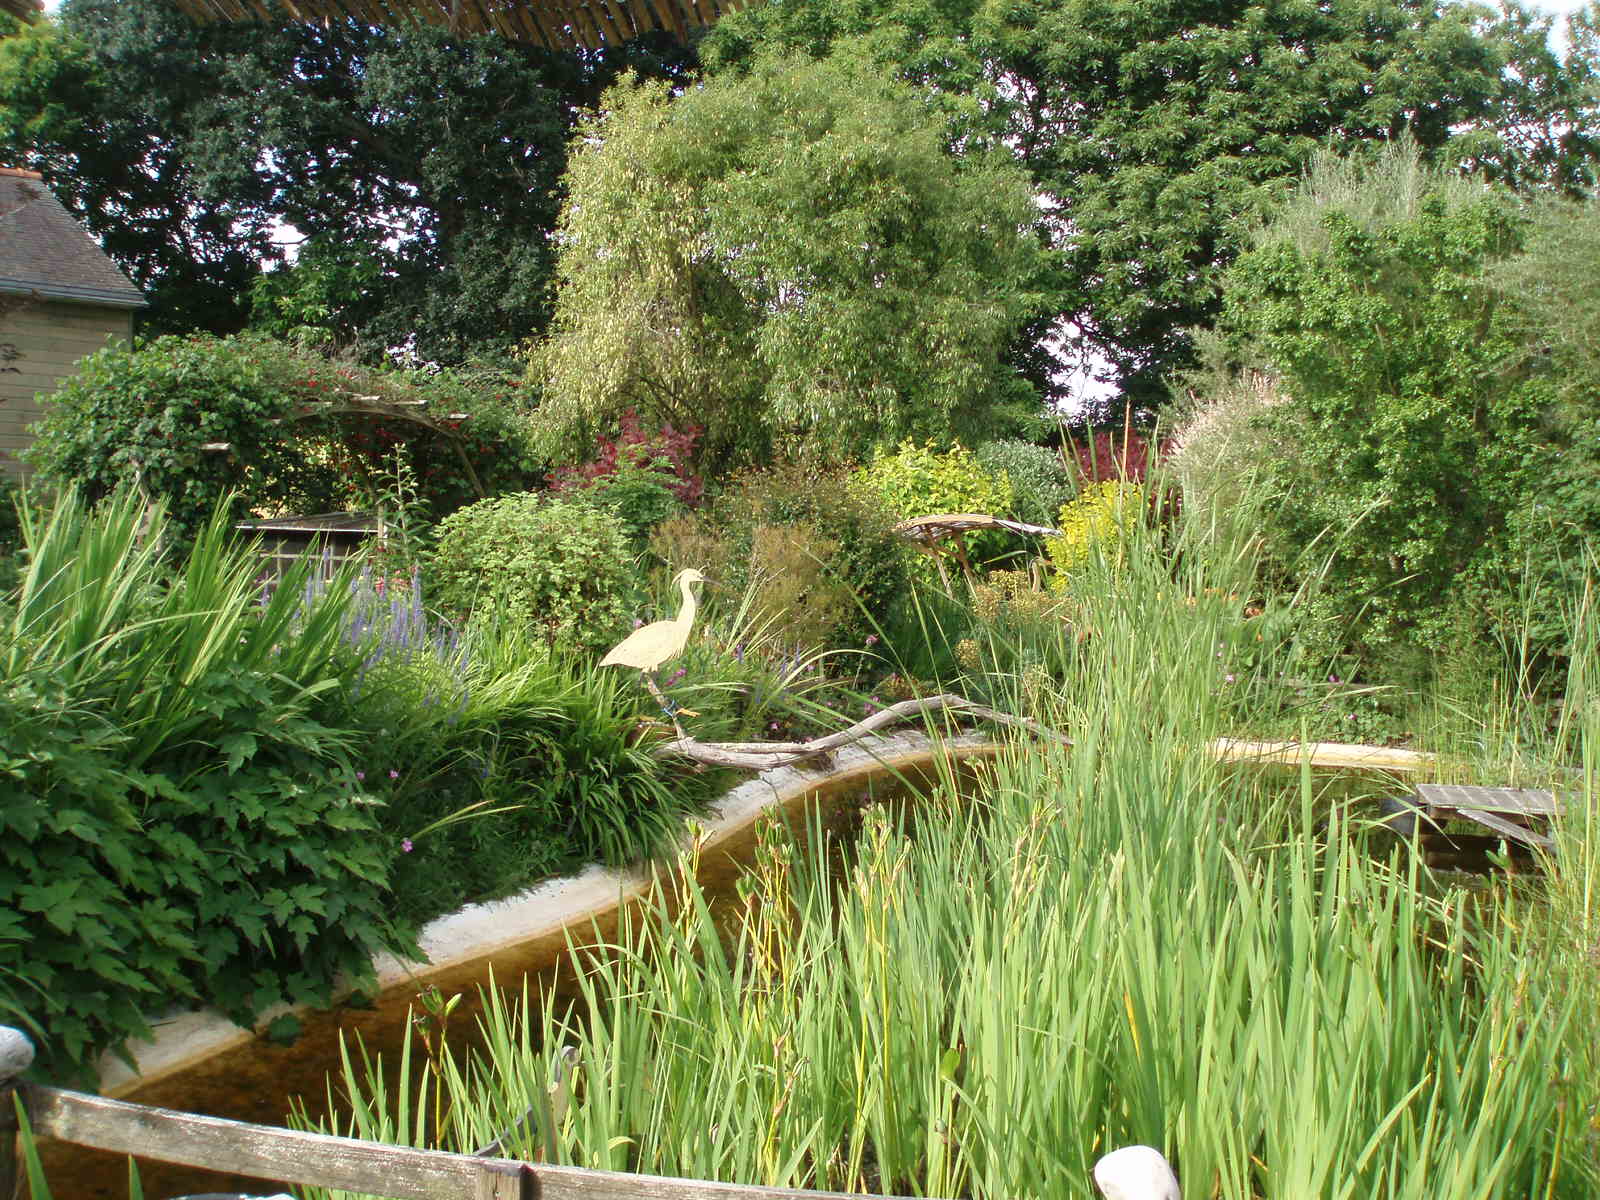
point(1121, 942)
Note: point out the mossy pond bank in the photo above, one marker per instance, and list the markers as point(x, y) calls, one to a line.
point(201, 1063)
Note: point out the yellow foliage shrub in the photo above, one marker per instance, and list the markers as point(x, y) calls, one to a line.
point(1099, 517)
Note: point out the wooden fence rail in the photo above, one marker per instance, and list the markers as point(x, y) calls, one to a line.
point(315, 1159)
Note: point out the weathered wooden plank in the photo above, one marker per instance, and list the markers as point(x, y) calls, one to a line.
point(322, 1160)
point(286, 1155)
point(1323, 754)
point(1531, 802)
point(1499, 824)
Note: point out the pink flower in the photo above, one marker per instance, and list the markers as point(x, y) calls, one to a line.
point(360, 775)
point(393, 774)
point(1230, 679)
point(872, 639)
point(405, 845)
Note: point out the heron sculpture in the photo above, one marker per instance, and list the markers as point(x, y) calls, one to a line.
point(650, 646)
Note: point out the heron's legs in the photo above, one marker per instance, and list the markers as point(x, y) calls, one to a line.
point(668, 707)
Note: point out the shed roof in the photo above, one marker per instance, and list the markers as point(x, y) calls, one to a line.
point(45, 252)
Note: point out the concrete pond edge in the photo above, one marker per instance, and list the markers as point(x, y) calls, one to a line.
point(479, 932)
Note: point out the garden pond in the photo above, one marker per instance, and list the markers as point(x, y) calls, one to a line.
point(224, 1071)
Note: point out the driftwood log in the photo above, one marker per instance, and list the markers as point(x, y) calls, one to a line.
point(759, 756)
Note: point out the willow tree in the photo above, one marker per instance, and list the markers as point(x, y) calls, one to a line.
point(793, 259)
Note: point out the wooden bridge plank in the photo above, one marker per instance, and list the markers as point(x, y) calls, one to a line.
point(323, 1160)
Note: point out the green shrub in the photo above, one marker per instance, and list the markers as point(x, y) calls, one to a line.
point(1040, 485)
point(1551, 294)
point(559, 566)
point(919, 481)
point(1415, 427)
point(179, 824)
point(1095, 523)
point(640, 497)
point(143, 416)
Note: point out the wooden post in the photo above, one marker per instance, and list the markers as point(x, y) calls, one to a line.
point(16, 1056)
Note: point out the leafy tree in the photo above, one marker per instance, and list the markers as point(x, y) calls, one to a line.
point(1158, 128)
point(1544, 127)
point(422, 168)
point(101, 141)
point(790, 258)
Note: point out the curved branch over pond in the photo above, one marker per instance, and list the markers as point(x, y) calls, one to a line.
point(759, 756)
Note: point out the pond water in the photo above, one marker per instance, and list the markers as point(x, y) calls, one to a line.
point(259, 1081)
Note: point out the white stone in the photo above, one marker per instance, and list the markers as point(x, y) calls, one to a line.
point(1136, 1173)
point(16, 1052)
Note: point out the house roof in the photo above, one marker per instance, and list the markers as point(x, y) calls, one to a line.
point(554, 24)
point(45, 252)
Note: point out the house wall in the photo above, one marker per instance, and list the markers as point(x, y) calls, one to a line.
point(50, 337)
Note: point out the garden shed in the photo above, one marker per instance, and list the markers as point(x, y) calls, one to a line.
point(60, 299)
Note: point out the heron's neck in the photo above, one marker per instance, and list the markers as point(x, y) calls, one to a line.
point(687, 612)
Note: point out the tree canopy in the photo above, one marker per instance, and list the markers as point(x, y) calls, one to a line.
point(1159, 129)
point(789, 257)
point(423, 169)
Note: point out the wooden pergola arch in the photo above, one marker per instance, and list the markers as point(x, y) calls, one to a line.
point(557, 25)
point(411, 412)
